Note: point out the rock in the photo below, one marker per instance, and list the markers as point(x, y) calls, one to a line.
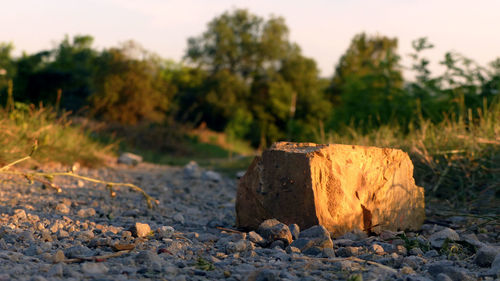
point(495, 267)
point(191, 170)
point(56, 271)
point(447, 267)
point(486, 255)
point(78, 252)
point(165, 232)
point(19, 214)
point(91, 268)
point(149, 259)
point(443, 277)
point(348, 251)
point(295, 230)
point(58, 257)
point(277, 243)
point(62, 208)
point(377, 249)
point(342, 187)
point(178, 218)
point(130, 159)
point(273, 230)
point(211, 176)
point(437, 239)
point(85, 235)
point(313, 237)
point(140, 229)
point(256, 238)
point(86, 212)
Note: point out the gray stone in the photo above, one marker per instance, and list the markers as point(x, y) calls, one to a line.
point(56, 270)
point(437, 239)
point(295, 230)
point(316, 236)
point(211, 176)
point(130, 159)
point(328, 253)
point(191, 170)
point(347, 251)
point(165, 232)
point(447, 267)
point(277, 243)
point(178, 218)
point(486, 255)
point(495, 267)
point(442, 277)
point(91, 268)
point(273, 230)
point(149, 259)
point(78, 252)
point(416, 252)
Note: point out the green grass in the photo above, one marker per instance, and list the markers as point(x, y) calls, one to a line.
point(457, 160)
point(58, 140)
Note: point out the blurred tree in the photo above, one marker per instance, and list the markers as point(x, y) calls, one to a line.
point(253, 74)
point(129, 90)
point(63, 74)
point(7, 69)
point(367, 84)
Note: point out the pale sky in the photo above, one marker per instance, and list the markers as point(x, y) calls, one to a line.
point(322, 28)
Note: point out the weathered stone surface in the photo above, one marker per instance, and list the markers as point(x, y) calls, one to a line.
point(342, 187)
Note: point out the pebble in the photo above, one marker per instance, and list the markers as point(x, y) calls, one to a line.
point(486, 255)
point(86, 212)
point(140, 229)
point(91, 268)
point(437, 239)
point(273, 230)
point(38, 233)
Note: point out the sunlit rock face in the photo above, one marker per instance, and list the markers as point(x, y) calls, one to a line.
point(342, 187)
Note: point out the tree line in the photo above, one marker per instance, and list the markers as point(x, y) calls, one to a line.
point(244, 76)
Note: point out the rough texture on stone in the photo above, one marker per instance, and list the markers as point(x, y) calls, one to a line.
point(342, 187)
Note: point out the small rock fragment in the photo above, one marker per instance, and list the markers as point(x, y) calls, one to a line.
point(58, 256)
point(130, 159)
point(486, 255)
point(273, 230)
point(211, 176)
point(86, 212)
point(295, 230)
point(91, 268)
point(437, 239)
point(140, 229)
point(165, 232)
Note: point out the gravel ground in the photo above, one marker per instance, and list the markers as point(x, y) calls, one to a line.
point(84, 234)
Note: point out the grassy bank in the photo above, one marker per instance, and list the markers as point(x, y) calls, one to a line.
point(59, 141)
point(457, 160)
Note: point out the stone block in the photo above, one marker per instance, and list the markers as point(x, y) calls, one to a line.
point(342, 187)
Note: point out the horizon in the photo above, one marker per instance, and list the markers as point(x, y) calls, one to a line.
point(163, 27)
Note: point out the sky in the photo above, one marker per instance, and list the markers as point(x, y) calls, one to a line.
point(322, 28)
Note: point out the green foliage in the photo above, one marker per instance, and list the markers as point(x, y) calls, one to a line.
point(252, 67)
point(367, 84)
point(129, 90)
point(203, 264)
